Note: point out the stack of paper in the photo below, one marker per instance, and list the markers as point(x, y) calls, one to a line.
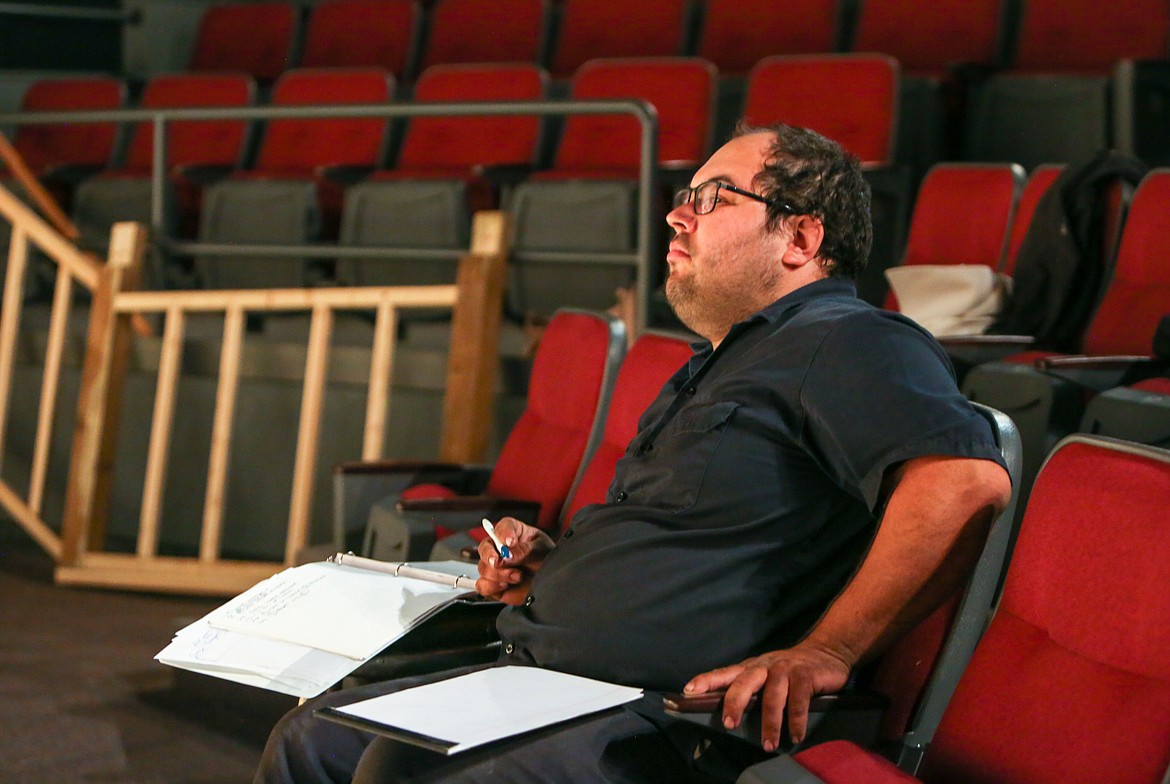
point(460, 713)
point(304, 629)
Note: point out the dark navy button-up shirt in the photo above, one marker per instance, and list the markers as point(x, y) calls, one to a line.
point(748, 495)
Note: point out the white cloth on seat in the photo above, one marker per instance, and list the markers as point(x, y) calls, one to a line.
point(949, 299)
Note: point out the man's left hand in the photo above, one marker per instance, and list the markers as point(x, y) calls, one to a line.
point(788, 678)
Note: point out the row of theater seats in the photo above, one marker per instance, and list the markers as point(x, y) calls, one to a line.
point(314, 179)
point(982, 214)
point(1091, 541)
point(928, 37)
point(328, 179)
point(1020, 61)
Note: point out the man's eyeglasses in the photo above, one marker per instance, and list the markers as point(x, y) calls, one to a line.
point(706, 196)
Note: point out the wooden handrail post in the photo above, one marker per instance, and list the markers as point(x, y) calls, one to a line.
point(99, 401)
point(475, 339)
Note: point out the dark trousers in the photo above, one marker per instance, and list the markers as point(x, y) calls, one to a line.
point(627, 745)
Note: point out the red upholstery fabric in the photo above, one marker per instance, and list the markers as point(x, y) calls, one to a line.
point(426, 491)
point(792, 89)
point(360, 33)
point(255, 38)
point(1138, 293)
point(1039, 181)
point(842, 762)
point(88, 144)
point(617, 28)
point(456, 144)
point(540, 457)
point(680, 88)
point(736, 34)
point(1157, 386)
point(962, 215)
point(302, 148)
point(1074, 35)
point(651, 361)
point(928, 38)
point(485, 31)
point(213, 142)
point(1071, 683)
point(906, 667)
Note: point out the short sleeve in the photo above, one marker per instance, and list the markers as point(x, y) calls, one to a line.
point(881, 391)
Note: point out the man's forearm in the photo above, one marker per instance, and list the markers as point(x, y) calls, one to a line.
point(929, 539)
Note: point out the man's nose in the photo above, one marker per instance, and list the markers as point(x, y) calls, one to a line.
point(681, 218)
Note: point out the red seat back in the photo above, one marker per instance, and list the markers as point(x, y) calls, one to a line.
point(211, 142)
point(1080, 36)
point(540, 458)
point(796, 90)
point(1071, 681)
point(681, 89)
point(457, 144)
point(255, 38)
point(651, 361)
point(300, 146)
point(458, 32)
point(928, 38)
point(590, 29)
point(1138, 293)
point(736, 34)
point(361, 33)
point(962, 215)
point(86, 144)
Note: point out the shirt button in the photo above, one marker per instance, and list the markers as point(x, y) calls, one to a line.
point(647, 448)
point(691, 391)
point(528, 600)
point(568, 534)
point(621, 496)
point(509, 648)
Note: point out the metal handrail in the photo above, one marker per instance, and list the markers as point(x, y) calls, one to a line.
point(642, 110)
point(78, 12)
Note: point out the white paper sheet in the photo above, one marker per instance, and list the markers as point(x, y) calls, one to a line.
point(353, 612)
point(490, 704)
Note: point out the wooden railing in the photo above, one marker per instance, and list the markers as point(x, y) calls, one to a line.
point(115, 304)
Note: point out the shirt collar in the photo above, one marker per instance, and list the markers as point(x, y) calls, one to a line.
point(833, 286)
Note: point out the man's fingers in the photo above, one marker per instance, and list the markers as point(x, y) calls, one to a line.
point(712, 680)
point(740, 692)
point(800, 694)
point(777, 692)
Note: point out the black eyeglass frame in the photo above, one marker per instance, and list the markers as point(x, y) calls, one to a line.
point(692, 193)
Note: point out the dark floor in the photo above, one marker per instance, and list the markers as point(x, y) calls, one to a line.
point(82, 700)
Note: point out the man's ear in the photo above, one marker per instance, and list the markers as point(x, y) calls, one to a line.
point(807, 234)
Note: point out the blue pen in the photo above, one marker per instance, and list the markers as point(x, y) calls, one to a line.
point(505, 553)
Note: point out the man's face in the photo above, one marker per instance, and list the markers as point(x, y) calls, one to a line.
point(724, 265)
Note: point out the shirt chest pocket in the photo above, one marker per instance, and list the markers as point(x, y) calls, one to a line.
point(667, 472)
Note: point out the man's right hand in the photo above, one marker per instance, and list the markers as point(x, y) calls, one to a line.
point(508, 580)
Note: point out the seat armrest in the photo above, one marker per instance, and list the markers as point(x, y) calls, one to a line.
point(1122, 361)
point(1013, 342)
point(967, 351)
point(849, 715)
point(478, 505)
point(1102, 372)
point(359, 485)
point(465, 479)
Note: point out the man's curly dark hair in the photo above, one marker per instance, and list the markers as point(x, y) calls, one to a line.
point(816, 176)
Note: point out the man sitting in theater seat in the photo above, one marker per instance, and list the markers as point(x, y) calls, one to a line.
point(806, 488)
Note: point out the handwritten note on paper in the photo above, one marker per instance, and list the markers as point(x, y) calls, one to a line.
point(488, 705)
point(338, 609)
